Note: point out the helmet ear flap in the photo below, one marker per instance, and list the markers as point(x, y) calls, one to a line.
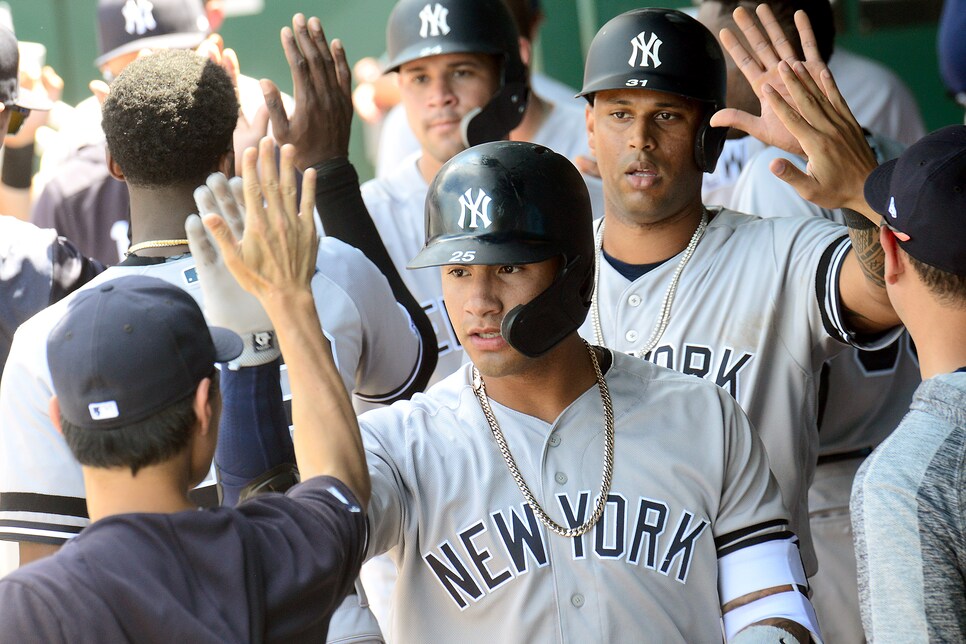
point(539, 325)
point(708, 143)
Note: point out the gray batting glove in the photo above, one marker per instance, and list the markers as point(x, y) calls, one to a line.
point(226, 303)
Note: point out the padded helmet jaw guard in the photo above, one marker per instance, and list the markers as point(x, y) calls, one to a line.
point(667, 51)
point(512, 202)
point(421, 28)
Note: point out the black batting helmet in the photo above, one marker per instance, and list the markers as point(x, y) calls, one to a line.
point(511, 202)
point(418, 29)
point(667, 51)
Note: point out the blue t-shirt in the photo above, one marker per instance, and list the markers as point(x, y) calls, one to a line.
point(181, 577)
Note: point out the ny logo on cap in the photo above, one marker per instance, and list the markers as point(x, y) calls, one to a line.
point(479, 207)
point(433, 21)
point(648, 50)
point(103, 410)
point(139, 17)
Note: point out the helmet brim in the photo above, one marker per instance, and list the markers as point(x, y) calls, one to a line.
point(488, 250)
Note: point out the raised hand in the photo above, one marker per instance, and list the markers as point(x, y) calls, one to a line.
point(839, 158)
point(276, 255)
point(760, 67)
point(319, 126)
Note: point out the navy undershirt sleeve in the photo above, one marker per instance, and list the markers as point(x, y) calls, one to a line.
point(253, 434)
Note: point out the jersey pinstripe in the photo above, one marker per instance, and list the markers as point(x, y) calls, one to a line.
point(41, 488)
point(467, 547)
point(756, 312)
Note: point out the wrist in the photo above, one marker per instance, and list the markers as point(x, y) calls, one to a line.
point(18, 166)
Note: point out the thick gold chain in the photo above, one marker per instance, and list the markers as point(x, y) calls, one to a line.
point(480, 389)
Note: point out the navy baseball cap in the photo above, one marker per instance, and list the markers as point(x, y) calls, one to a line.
point(922, 197)
point(125, 26)
point(130, 347)
point(10, 94)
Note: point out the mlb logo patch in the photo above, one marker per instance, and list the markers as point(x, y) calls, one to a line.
point(104, 410)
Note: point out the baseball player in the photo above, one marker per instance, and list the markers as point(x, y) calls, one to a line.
point(556, 122)
point(551, 491)
point(378, 354)
point(754, 305)
point(461, 85)
point(862, 394)
point(142, 571)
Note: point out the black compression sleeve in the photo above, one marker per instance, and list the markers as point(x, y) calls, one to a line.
point(345, 217)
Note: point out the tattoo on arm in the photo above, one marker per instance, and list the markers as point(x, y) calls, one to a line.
point(868, 250)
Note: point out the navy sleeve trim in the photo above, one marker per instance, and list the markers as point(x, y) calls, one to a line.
point(827, 288)
point(784, 535)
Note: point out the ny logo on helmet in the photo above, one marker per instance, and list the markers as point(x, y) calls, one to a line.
point(139, 17)
point(433, 21)
point(648, 50)
point(478, 208)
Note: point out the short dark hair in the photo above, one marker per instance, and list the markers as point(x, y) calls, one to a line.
point(169, 118)
point(949, 287)
point(819, 13)
point(524, 14)
point(148, 442)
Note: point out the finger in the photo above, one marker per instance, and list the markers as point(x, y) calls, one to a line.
point(744, 60)
point(760, 46)
point(587, 165)
point(229, 62)
point(807, 38)
point(259, 124)
point(780, 42)
point(296, 63)
point(276, 109)
point(237, 187)
point(204, 200)
point(307, 208)
point(327, 70)
point(254, 208)
point(227, 205)
point(808, 97)
point(222, 236)
point(737, 119)
point(201, 247)
point(836, 99)
point(100, 90)
point(286, 179)
point(794, 122)
point(790, 174)
point(269, 182)
point(342, 69)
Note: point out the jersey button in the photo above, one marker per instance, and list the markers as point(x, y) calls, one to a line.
point(631, 336)
point(554, 440)
point(577, 600)
point(634, 300)
point(560, 478)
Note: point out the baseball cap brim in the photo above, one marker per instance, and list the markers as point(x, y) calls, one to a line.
point(33, 101)
point(228, 345)
point(878, 189)
point(184, 40)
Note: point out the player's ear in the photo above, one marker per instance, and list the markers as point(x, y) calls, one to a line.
point(205, 405)
point(53, 408)
point(112, 166)
point(894, 263)
point(589, 120)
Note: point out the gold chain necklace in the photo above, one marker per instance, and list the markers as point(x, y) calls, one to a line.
point(157, 243)
point(480, 389)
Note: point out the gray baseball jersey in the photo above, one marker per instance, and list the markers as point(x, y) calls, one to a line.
point(41, 489)
point(757, 312)
point(868, 392)
point(864, 396)
point(474, 560)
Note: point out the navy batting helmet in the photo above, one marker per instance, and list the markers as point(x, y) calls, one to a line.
point(511, 202)
point(418, 29)
point(667, 51)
